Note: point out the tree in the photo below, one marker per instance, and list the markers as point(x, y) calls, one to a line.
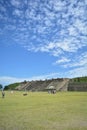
point(1, 86)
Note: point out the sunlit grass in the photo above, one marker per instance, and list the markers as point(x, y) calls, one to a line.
point(43, 111)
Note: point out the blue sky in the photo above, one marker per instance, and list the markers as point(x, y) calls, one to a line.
point(42, 39)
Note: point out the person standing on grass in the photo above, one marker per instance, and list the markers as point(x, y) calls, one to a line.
point(3, 94)
point(2, 89)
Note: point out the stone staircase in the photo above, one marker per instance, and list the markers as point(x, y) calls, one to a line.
point(59, 84)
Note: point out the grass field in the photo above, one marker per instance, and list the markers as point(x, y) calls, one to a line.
point(43, 111)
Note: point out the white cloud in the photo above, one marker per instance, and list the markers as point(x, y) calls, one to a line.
point(85, 2)
point(58, 5)
point(81, 26)
point(50, 48)
point(72, 31)
point(78, 72)
point(18, 13)
point(5, 80)
point(79, 61)
point(56, 16)
point(62, 60)
point(57, 48)
point(66, 43)
point(16, 3)
point(10, 27)
point(3, 9)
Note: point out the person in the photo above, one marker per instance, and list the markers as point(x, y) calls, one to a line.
point(3, 94)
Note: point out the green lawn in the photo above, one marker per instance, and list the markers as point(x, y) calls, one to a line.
point(43, 111)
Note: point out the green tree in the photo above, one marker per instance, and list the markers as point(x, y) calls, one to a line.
point(1, 86)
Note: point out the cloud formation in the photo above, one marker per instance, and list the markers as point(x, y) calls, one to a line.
point(42, 23)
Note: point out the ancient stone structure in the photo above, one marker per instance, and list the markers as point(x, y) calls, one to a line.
point(77, 86)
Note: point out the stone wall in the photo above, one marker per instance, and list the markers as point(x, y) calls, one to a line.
point(79, 86)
